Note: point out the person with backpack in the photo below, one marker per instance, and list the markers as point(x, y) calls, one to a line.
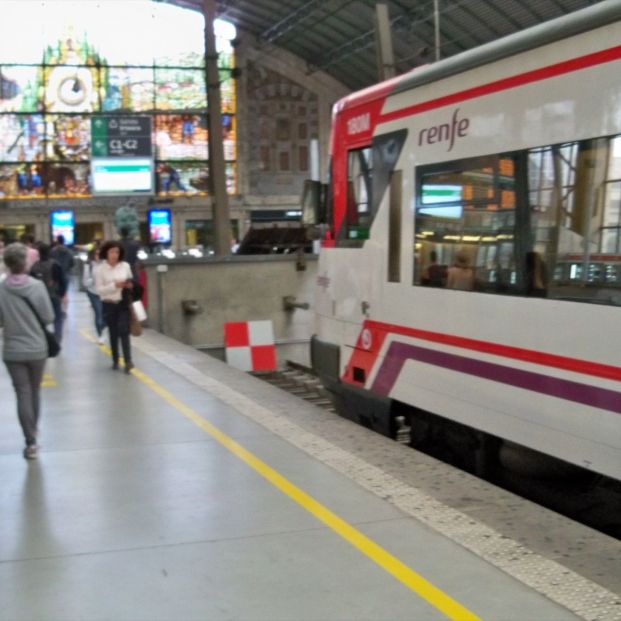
point(51, 274)
point(24, 303)
point(63, 256)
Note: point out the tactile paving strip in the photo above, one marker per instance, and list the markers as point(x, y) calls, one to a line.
point(583, 597)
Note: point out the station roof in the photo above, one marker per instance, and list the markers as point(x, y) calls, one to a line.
point(338, 36)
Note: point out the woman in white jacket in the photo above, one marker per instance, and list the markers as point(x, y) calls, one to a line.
point(112, 277)
point(88, 282)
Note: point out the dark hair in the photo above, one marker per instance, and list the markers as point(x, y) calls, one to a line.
point(44, 251)
point(60, 239)
point(27, 238)
point(124, 231)
point(103, 251)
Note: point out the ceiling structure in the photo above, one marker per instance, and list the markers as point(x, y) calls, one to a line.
point(338, 36)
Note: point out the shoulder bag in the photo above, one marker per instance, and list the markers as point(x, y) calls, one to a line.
point(53, 346)
point(135, 329)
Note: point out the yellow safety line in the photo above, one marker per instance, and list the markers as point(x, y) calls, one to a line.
point(48, 381)
point(422, 587)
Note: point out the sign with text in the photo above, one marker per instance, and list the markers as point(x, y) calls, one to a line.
point(121, 136)
point(121, 149)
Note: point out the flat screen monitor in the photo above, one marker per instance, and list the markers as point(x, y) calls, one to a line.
point(160, 226)
point(63, 223)
point(122, 175)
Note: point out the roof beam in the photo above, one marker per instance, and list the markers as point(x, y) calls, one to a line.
point(400, 23)
point(290, 21)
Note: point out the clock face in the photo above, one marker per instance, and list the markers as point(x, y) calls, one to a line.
point(72, 91)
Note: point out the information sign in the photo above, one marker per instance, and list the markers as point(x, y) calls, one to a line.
point(121, 155)
point(122, 136)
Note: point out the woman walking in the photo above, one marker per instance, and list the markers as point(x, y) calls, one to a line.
point(112, 277)
point(23, 301)
point(88, 282)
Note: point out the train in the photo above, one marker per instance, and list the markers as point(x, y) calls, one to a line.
point(470, 277)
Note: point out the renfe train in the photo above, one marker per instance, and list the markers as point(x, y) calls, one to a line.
point(473, 271)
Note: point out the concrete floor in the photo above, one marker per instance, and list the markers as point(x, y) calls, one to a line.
point(189, 490)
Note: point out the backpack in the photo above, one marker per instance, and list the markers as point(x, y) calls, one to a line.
point(44, 271)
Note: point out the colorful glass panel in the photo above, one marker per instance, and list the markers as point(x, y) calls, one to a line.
point(180, 89)
point(19, 88)
point(181, 178)
point(22, 137)
point(181, 136)
point(127, 88)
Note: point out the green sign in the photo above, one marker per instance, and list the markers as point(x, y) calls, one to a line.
point(121, 136)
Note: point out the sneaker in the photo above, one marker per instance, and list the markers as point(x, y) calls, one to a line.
point(101, 340)
point(115, 366)
point(128, 368)
point(30, 452)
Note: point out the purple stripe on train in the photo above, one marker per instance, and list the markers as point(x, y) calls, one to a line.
point(398, 353)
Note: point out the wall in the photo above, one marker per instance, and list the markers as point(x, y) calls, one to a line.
point(238, 288)
point(275, 91)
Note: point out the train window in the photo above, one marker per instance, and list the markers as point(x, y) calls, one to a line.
point(544, 222)
point(358, 214)
point(465, 225)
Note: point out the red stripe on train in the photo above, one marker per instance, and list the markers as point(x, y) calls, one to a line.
point(585, 367)
point(537, 75)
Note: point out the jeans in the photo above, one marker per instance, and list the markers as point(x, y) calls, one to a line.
point(95, 301)
point(116, 317)
point(59, 317)
point(26, 376)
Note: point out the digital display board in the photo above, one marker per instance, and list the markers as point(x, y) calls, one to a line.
point(122, 160)
point(131, 175)
point(160, 226)
point(63, 223)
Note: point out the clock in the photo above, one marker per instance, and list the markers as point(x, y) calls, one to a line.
point(69, 89)
point(72, 91)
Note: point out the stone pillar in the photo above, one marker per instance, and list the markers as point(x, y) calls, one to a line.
point(217, 172)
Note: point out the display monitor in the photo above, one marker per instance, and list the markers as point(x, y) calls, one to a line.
point(122, 175)
point(160, 226)
point(63, 223)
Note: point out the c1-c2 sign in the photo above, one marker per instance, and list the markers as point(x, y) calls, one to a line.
point(121, 155)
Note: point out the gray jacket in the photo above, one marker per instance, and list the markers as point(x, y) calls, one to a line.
point(23, 337)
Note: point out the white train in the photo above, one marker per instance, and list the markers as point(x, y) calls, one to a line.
point(473, 271)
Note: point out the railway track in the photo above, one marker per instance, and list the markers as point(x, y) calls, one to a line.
point(300, 381)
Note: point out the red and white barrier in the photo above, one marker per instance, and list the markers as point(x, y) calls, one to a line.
point(249, 345)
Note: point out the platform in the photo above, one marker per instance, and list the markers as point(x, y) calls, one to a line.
point(190, 490)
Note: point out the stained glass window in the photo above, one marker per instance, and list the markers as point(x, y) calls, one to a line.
point(70, 64)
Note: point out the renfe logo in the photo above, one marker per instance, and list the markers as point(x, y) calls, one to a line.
point(359, 124)
point(447, 132)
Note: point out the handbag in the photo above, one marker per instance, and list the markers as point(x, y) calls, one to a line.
point(53, 346)
point(135, 329)
point(140, 312)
